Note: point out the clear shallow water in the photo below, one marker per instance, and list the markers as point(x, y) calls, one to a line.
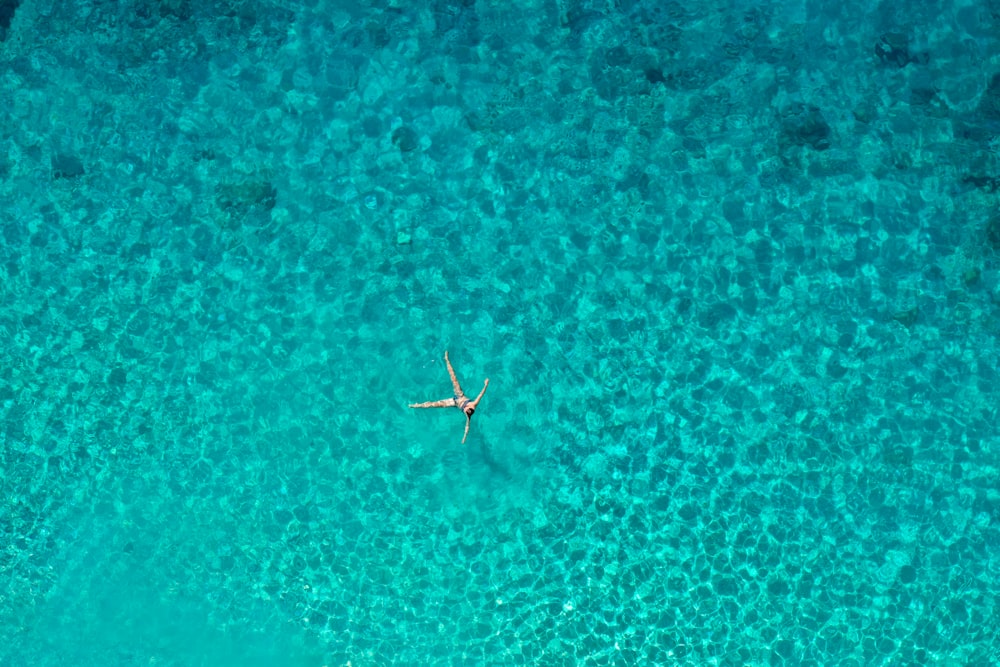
point(731, 271)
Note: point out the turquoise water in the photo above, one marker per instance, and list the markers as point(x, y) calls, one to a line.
point(731, 268)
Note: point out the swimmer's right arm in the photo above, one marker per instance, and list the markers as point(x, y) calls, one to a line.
point(480, 397)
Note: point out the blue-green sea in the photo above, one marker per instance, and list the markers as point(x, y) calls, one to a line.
point(732, 269)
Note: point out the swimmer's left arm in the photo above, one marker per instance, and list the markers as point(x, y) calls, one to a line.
point(468, 420)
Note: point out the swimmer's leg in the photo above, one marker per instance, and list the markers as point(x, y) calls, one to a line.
point(444, 403)
point(454, 380)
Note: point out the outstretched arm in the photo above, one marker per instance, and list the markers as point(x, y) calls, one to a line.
point(451, 373)
point(444, 403)
point(465, 435)
point(480, 397)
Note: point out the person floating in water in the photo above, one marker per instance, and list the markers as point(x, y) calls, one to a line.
point(459, 400)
